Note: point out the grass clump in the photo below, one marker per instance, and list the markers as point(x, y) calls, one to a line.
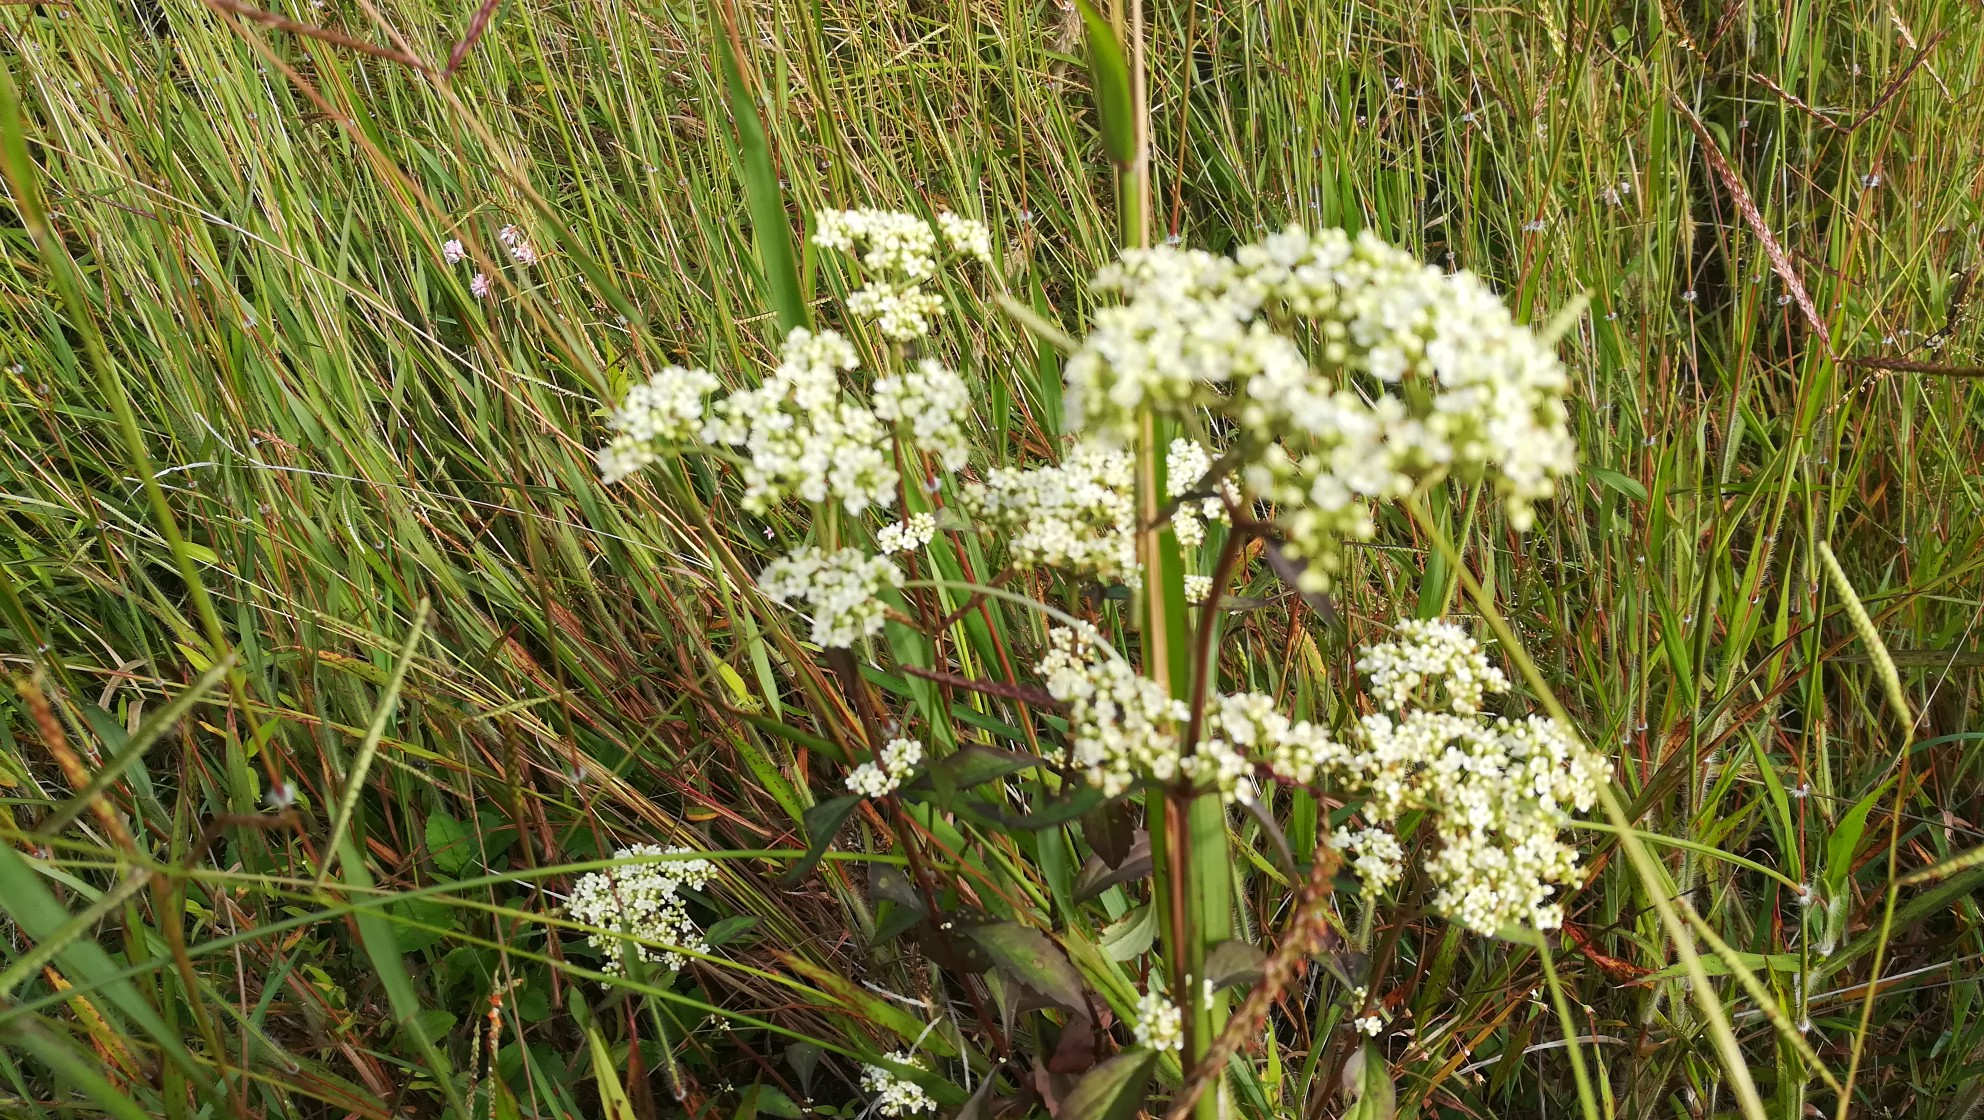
point(337, 669)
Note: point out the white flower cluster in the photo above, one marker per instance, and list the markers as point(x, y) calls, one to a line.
point(1186, 462)
point(906, 536)
point(1499, 789)
point(1197, 589)
point(899, 253)
point(640, 900)
point(1423, 650)
point(1121, 725)
point(802, 435)
point(843, 588)
point(667, 409)
point(896, 1096)
point(1453, 382)
point(932, 401)
point(1080, 516)
point(1377, 856)
point(899, 758)
point(1160, 1025)
point(1123, 728)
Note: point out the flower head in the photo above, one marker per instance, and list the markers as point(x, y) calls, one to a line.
point(453, 252)
point(907, 536)
point(1080, 516)
point(898, 759)
point(843, 588)
point(1160, 1025)
point(480, 285)
point(803, 435)
point(896, 1096)
point(640, 901)
point(1405, 371)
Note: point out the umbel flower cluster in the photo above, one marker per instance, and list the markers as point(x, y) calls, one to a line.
point(640, 901)
point(896, 1096)
point(804, 433)
point(1498, 789)
point(1409, 372)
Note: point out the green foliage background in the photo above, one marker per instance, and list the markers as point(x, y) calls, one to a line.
point(343, 434)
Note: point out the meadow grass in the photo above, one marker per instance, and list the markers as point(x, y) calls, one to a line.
point(435, 645)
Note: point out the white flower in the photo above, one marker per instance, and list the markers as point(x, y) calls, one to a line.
point(1186, 462)
point(1121, 726)
point(510, 235)
point(640, 901)
point(966, 236)
point(1499, 789)
point(802, 435)
point(1160, 1025)
point(453, 252)
point(888, 242)
point(901, 312)
point(1197, 589)
point(1080, 516)
point(1379, 859)
point(842, 588)
point(929, 401)
point(899, 253)
point(906, 536)
point(1373, 1025)
point(624, 456)
point(896, 1096)
point(1431, 653)
point(898, 759)
point(668, 408)
point(480, 285)
point(1407, 371)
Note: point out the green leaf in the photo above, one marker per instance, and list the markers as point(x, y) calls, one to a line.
point(1613, 480)
point(823, 823)
point(1097, 876)
point(35, 910)
point(768, 1100)
point(450, 843)
point(613, 1102)
point(1032, 958)
point(1233, 962)
point(1109, 84)
point(730, 929)
point(1114, 1090)
point(770, 226)
point(1845, 841)
point(1714, 965)
point(1052, 813)
point(975, 765)
point(1369, 1083)
point(1132, 937)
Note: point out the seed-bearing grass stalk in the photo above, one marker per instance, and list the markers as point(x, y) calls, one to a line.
point(1877, 651)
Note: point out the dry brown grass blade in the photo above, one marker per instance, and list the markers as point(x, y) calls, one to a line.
point(1779, 261)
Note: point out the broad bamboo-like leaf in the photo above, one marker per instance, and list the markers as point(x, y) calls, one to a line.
point(1369, 1084)
point(1113, 1090)
point(1232, 963)
point(823, 822)
point(1032, 958)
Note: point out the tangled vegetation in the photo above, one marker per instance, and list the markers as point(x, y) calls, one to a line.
point(1296, 560)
